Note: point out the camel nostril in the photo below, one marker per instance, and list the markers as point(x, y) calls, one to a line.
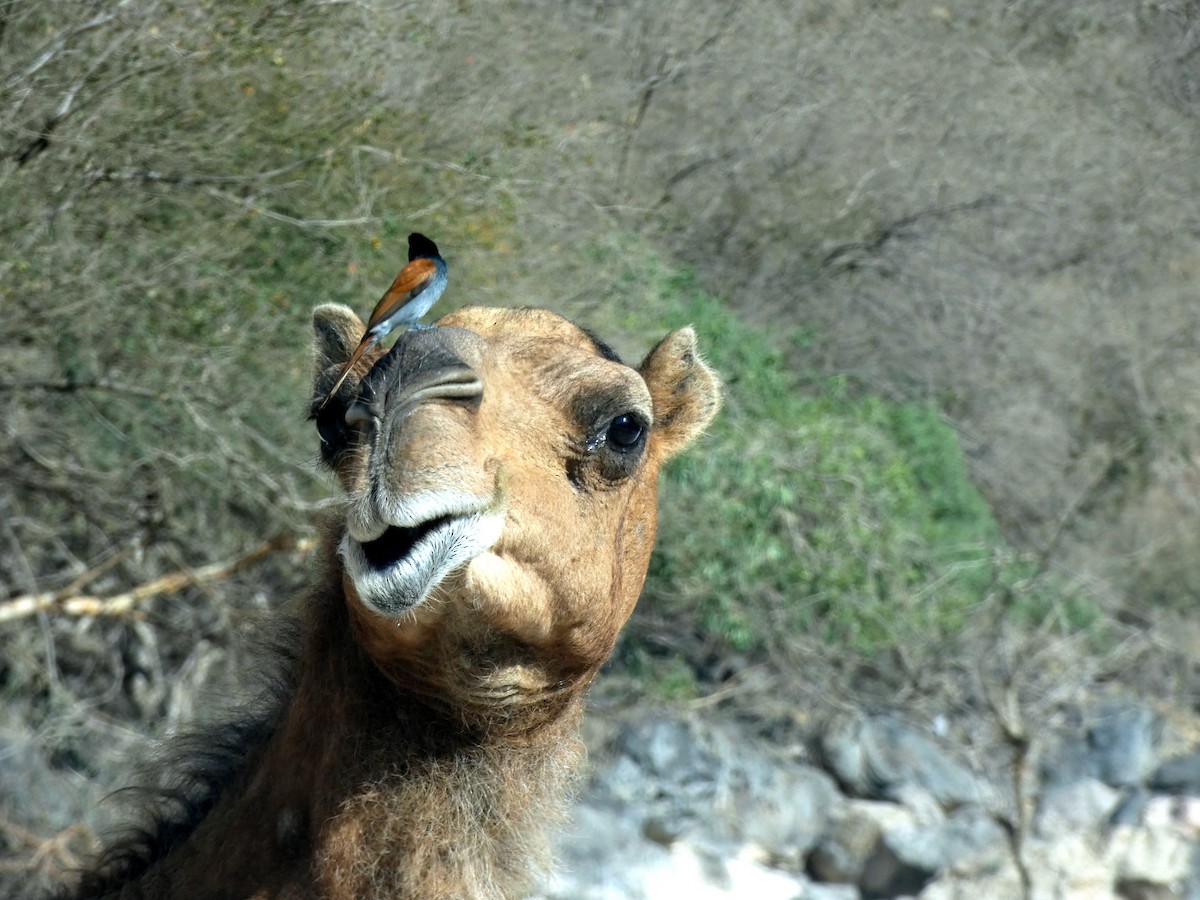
point(459, 383)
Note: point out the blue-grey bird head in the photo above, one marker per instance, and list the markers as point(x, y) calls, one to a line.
point(421, 247)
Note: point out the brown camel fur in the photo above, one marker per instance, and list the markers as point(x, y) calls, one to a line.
point(420, 738)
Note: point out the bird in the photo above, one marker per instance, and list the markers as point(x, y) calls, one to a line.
point(411, 295)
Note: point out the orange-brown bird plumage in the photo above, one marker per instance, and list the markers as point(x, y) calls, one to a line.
point(411, 295)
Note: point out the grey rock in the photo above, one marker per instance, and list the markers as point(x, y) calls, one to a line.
point(1178, 775)
point(968, 842)
point(922, 804)
point(887, 874)
point(1118, 746)
point(697, 781)
point(598, 834)
point(1123, 742)
point(1002, 883)
point(668, 748)
point(1072, 761)
point(680, 806)
point(782, 809)
point(1130, 809)
point(1156, 855)
point(1073, 806)
point(637, 870)
point(854, 838)
point(887, 853)
point(1134, 889)
point(1191, 882)
point(815, 891)
point(877, 757)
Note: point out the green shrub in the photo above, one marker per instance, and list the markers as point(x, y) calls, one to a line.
point(812, 508)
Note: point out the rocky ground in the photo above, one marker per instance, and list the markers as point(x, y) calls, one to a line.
point(873, 806)
point(705, 800)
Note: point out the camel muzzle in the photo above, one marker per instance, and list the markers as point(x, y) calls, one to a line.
point(423, 365)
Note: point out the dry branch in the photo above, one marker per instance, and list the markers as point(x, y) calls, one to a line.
point(249, 204)
point(66, 602)
point(46, 854)
point(95, 384)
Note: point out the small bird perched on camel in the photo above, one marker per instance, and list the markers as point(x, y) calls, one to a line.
point(411, 295)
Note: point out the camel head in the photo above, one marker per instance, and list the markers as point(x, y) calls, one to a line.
point(501, 475)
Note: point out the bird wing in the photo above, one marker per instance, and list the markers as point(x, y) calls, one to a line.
point(411, 279)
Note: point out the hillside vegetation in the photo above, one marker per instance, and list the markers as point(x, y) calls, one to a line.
point(946, 257)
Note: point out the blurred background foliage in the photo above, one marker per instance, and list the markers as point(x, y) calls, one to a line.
point(945, 255)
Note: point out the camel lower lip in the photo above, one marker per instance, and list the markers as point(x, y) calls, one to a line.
point(398, 570)
point(397, 542)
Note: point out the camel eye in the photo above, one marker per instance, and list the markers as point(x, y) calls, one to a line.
point(625, 432)
point(333, 432)
point(331, 425)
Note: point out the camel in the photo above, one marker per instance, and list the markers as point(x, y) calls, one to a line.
point(421, 735)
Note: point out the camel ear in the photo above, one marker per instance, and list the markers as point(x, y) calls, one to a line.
point(336, 332)
point(685, 391)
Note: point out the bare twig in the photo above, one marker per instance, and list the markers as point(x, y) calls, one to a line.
point(56, 46)
point(190, 178)
point(666, 72)
point(124, 604)
point(71, 387)
point(48, 853)
point(740, 683)
point(1005, 705)
point(851, 254)
point(89, 575)
point(67, 103)
point(249, 204)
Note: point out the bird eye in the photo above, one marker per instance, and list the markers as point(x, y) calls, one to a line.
point(624, 432)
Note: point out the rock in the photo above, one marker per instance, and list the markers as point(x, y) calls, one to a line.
point(1178, 775)
point(698, 781)
point(1188, 815)
point(854, 837)
point(1123, 742)
point(1070, 866)
point(968, 842)
point(683, 870)
point(1159, 854)
point(1072, 761)
point(1142, 890)
point(887, 853)
point(814, 891)
point(922, 804)
point(664, 773)
point(683, 807)
point(1004, 883)
point(875, 758)
point(1074, 806)
point(1118, 746)
point(1130, 809)
point(595, 837)
point(782, 809)
point(748, 875)
point(886, 875)
point(667, 748)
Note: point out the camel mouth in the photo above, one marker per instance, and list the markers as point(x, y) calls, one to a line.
point(398, 569)
point(397, 542)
